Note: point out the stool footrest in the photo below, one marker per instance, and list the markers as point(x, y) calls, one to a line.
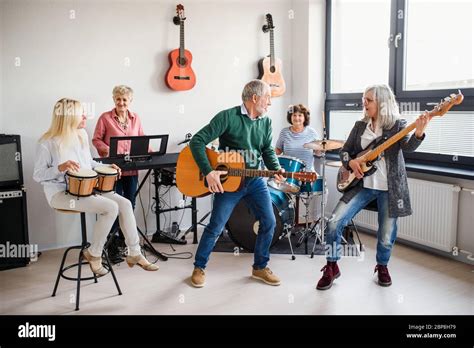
point(82, 278)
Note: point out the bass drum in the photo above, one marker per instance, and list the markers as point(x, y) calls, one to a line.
point(243, 226)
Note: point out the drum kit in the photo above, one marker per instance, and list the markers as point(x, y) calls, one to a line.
point(86, 182)
point(283, 196)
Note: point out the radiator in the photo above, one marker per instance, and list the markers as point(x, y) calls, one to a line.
point(434, 219)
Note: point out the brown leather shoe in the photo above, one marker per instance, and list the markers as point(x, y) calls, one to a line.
point(383, 275)
point(95, 263)
point(266, 275)
point(198, 278)
point(331, 272)
point(142, 262)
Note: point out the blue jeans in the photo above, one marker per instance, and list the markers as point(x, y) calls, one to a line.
point(343, 214)
point(127, 187)
point(257, 198)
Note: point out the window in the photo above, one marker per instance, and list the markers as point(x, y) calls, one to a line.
point(444, 135)
point(341, 123)
point(439, 45)
point(360, 54)
point(423, 49)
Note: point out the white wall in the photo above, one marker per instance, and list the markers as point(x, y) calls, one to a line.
point(80, 49)
point(307, 74)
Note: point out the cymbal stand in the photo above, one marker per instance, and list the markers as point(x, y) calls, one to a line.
point(322, 220)
point(287, 230)
point(307, 231)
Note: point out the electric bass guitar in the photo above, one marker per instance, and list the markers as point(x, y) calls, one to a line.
point(346, 178)
point(192, 182)
point(269, 68)
point(180, 75)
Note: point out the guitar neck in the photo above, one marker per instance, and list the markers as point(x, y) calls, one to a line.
point(254, 173)
point(272, 49)
point(181, 40)
point(372, 155)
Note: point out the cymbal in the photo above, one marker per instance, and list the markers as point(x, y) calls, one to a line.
point(324, 145)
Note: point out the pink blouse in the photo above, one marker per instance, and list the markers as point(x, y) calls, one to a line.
point(109, 126)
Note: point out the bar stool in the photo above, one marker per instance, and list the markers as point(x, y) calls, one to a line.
point(82, 247)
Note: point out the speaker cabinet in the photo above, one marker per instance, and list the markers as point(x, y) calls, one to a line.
point(15, 249)
point(11, 173)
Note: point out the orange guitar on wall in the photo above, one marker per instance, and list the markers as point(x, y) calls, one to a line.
point(269, 68)
point(180, 75)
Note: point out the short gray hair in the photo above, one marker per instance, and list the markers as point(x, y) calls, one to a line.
point(122, 90)
point(257, 87)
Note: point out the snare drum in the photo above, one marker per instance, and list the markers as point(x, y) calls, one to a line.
point(81, 183)
point(290, 164)
point(107, 178)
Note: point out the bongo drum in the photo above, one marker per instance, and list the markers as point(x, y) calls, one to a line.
point(107, 178)
point(81, 183)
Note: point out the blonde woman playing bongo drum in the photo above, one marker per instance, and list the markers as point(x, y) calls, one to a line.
point(64, 148)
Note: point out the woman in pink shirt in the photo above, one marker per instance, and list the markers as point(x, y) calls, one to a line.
point(119, 122)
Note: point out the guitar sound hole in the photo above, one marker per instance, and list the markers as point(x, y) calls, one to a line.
point(182, 61)
point(272, 69)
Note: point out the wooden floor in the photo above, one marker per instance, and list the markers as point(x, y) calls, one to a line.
point(422, 284)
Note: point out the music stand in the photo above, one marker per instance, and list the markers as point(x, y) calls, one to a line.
point(139, 151)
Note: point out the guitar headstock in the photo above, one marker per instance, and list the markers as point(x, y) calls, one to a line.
point(269, 25)
point(446, 104)
point(179, 18)
point(306, 176)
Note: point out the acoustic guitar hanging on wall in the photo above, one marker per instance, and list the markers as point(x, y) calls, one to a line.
point(269, 68)
point(180, 75)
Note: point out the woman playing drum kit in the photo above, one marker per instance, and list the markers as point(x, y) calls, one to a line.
point(64, 166)
point(292, 155)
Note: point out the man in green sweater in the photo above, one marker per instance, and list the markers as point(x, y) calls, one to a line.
point(245, 129)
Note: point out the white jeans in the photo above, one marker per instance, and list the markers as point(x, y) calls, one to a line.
point(106, 206)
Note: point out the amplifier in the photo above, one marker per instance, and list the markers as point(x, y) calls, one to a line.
point(15, 250)
point(11, 173)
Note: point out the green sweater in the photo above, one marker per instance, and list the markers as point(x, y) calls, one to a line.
point(236, 132)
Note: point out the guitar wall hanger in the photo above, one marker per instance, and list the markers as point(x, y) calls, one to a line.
point(176, 20)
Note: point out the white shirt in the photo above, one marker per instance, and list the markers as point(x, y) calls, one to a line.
point(378, 180)
point(244, 111)
point(48, 158)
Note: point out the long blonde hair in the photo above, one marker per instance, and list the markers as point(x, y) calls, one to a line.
point(67, 115)
point(388, 112)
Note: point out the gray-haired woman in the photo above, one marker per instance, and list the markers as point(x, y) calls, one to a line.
point(388, 185)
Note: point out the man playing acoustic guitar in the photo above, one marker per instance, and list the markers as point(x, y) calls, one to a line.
point(245, 129)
